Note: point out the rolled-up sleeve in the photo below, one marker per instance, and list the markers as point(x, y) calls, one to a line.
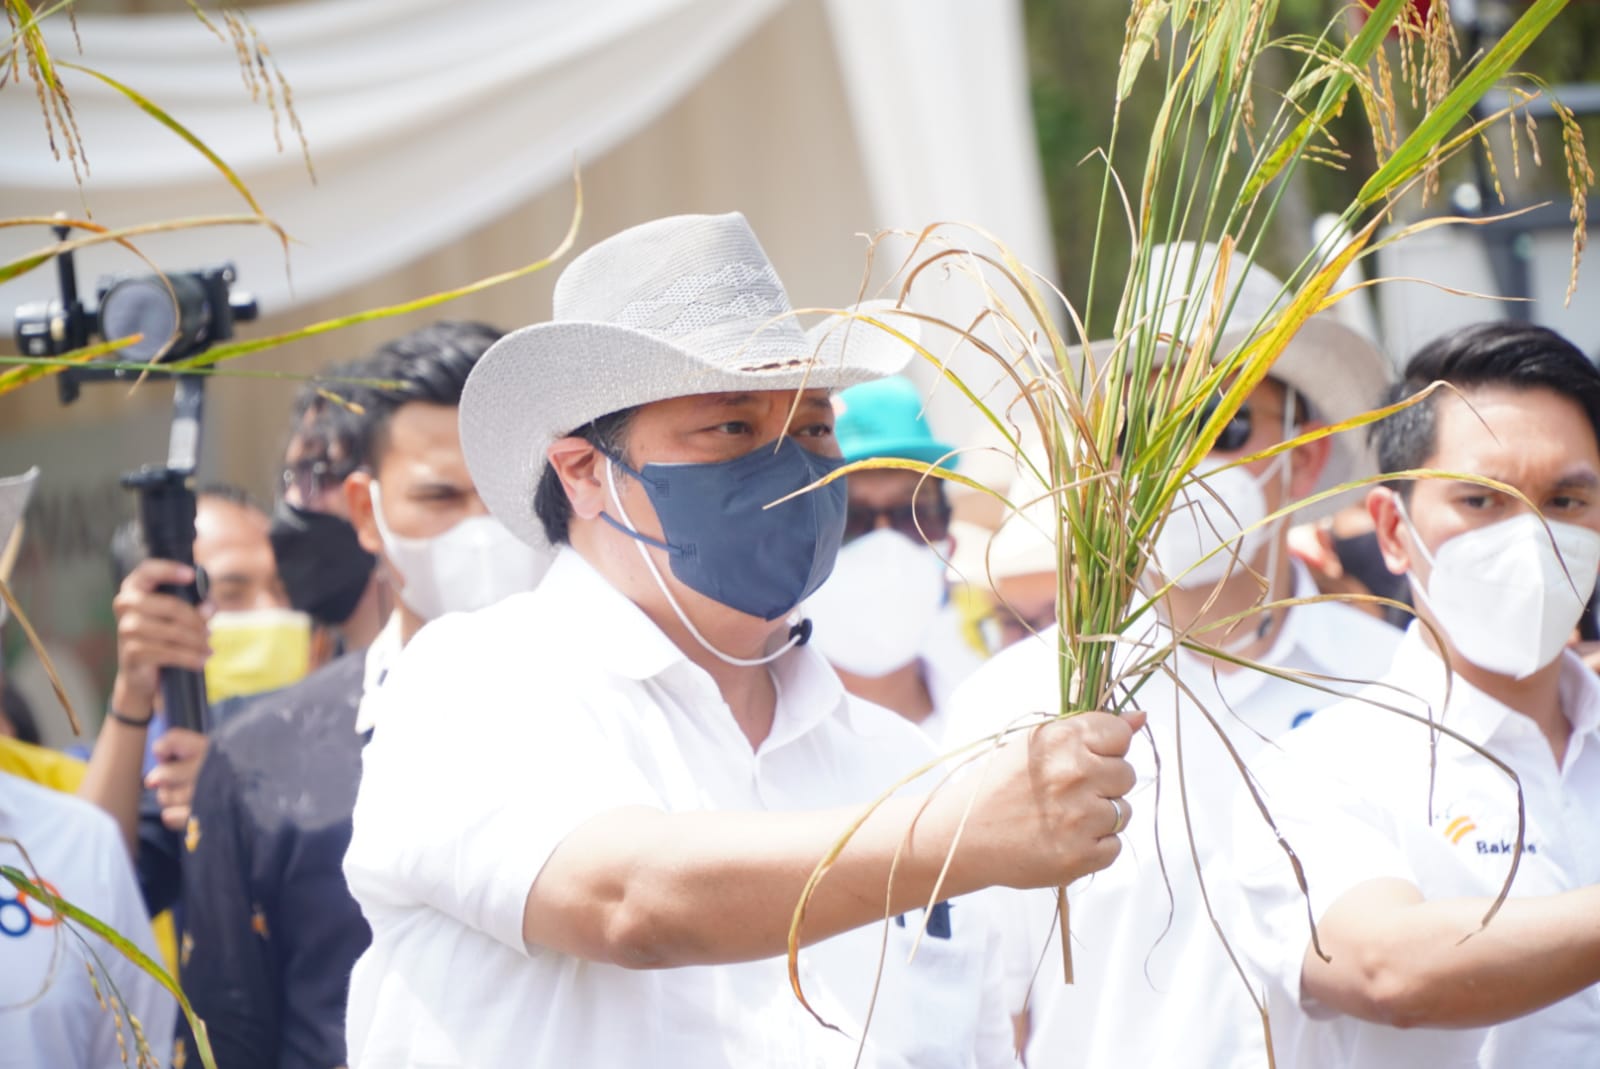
point(1340, 837)
point(462, 801)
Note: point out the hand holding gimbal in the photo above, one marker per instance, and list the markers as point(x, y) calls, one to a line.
point(174, 316)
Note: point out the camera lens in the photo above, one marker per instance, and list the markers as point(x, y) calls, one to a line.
point(144, 306)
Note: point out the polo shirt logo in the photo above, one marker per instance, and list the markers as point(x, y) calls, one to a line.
point(1459, 828)
point(1504, 846)
point(18, 918)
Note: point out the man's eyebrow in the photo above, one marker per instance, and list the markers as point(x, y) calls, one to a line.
point(1578, 480)
point(435, 485)
point(818, 401)
point(731, 400)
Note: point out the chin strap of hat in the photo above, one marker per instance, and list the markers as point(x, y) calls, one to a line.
point(799, 632)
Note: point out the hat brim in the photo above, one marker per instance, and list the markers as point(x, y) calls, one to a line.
point(545, 381)
point(1337, 370)
point(15, 491)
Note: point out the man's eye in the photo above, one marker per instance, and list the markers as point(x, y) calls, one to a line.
point(732, 427)
point(815, 430)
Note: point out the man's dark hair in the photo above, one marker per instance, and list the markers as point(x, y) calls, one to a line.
point(430, 365)
point(1518, 356)
point(15, 709)
point(550, 501)
point(326, 423)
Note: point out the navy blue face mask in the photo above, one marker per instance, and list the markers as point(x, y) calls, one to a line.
point(725, 543)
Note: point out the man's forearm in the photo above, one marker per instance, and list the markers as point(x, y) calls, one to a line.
point(1399, 959)
point(647, 889)
point(676, 889)
point(115, 776)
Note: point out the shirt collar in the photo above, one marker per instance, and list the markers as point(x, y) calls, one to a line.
point(1294, 634)
point(381, 656)
point(809, 692)
point(598, 623)
point(1420, 671)
point(1580, 694)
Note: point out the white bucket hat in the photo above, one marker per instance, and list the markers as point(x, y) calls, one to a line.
point(684, 305)
point(1336, 370)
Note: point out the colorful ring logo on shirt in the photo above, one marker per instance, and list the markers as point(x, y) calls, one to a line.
point(17, 918)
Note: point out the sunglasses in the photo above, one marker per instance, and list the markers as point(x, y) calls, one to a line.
point(924, 521)
point(314, 475)
point(1234, 435)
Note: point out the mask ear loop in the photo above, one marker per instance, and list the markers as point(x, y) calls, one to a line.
point(1285, 474)
point(1416, 539)
point(797, 635)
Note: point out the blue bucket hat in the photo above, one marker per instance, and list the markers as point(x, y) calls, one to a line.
point(885, 419)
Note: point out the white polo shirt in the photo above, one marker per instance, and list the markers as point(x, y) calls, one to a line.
point(502, 731)
point(1155, 986)
point(1359, 797)
point(49, 1012)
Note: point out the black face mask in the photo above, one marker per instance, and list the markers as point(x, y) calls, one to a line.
point(1363, 560)
point(320, 560)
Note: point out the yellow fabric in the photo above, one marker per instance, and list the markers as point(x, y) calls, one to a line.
point(48, 768)
point(60, 772)
point(973, 604)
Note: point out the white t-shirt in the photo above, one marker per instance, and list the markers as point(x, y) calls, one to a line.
point(49, 1013)
point(1155, 986)
point(1358, 795)
point(589, 708)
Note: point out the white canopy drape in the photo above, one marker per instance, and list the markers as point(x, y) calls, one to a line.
point(426, 120)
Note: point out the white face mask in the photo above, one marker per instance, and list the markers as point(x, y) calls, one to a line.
point(1501, 594)
point(471, 566)
point(1227, 510)
point(873, 613)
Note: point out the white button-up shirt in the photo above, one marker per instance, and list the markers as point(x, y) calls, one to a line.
point(1155, 985)
point(502, 731)
point(1361, 795)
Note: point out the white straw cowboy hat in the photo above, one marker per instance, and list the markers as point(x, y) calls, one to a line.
point(1336, 370)
point(679, 306)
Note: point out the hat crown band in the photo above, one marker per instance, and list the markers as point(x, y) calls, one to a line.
point(738, 311)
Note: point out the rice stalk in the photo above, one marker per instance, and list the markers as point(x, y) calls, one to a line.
point(1580, 177)
point(1128, 403)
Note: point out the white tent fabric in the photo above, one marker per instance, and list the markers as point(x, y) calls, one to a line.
point(938, 90)
point(426, 119)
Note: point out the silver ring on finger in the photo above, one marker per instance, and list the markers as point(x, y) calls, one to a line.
point(1124, 811)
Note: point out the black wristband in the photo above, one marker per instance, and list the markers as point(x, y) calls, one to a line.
point(128, 720)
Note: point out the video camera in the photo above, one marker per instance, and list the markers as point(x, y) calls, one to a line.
point(176, 315)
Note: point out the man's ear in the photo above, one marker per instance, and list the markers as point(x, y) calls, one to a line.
point(581, 469)
point(358, 499)
point(1383, 505)
point(1306, 463)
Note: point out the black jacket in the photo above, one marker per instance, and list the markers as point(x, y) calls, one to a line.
point(271, 930)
